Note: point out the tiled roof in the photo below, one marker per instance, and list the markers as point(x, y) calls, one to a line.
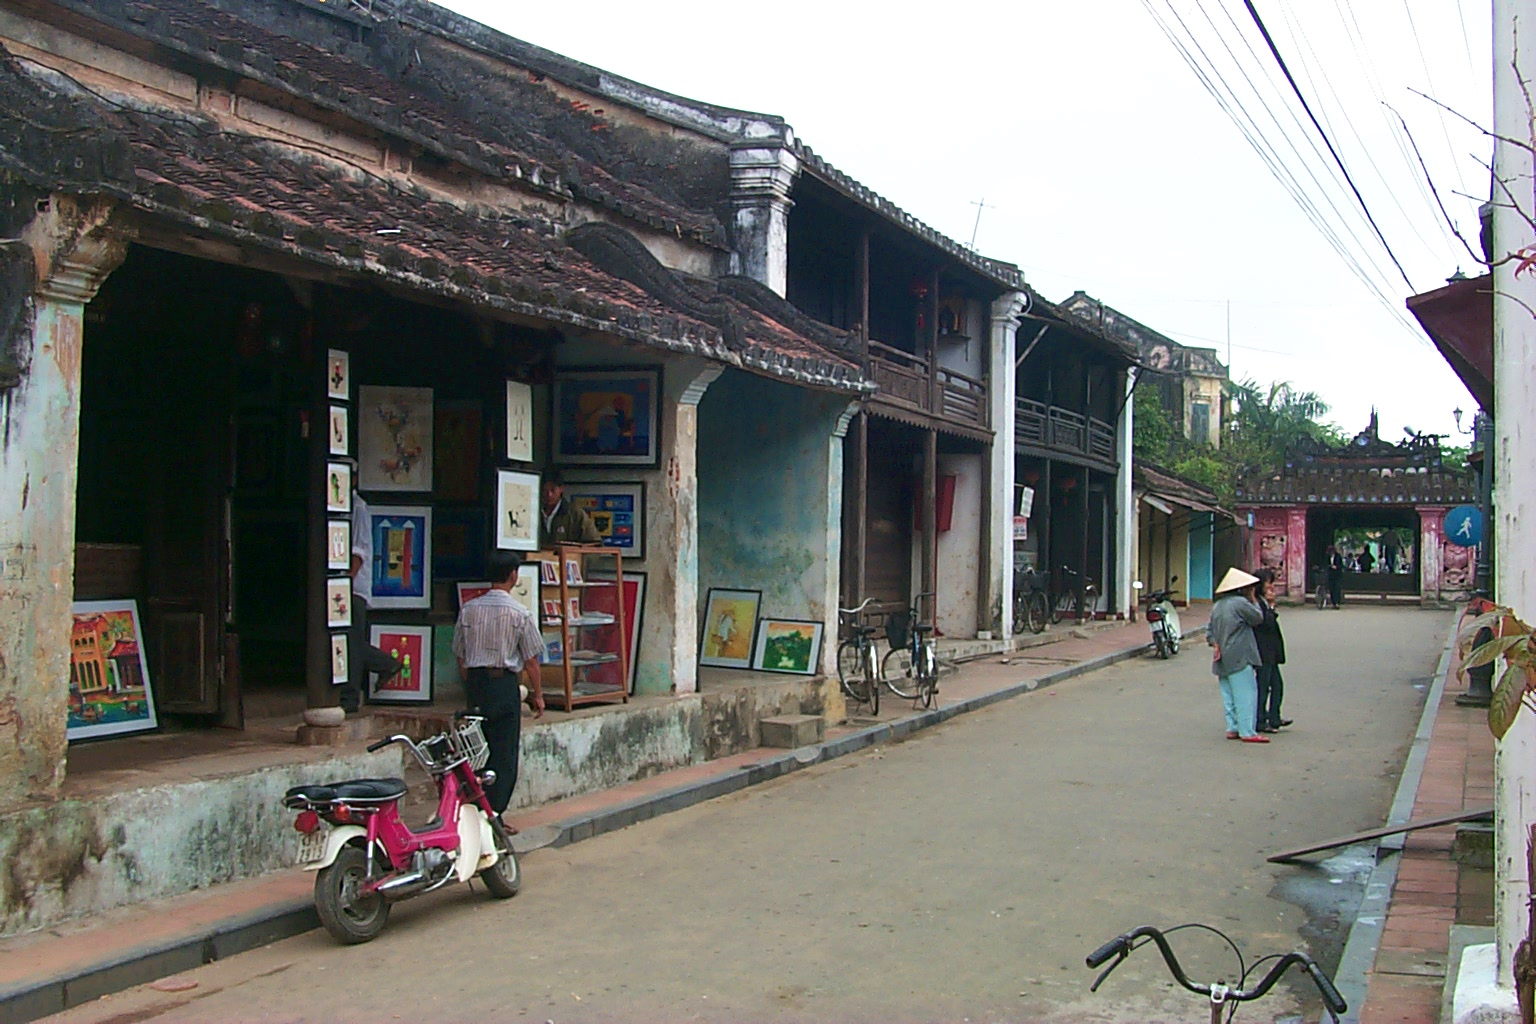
point(1366, 471)
point(1153, 479)
point(254, 192)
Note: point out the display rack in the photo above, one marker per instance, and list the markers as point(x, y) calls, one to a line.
point(589, 665)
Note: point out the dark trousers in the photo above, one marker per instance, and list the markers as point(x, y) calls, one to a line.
point(494, 694)
point(362, 658)
point(1335, 588)
point(1271, 692)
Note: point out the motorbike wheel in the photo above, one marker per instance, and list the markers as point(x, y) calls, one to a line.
point(348, 916)
point(504, 878)
point(1173, 642)
point(1161, 642)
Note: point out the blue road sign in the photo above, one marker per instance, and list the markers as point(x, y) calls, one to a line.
point(1464, 526)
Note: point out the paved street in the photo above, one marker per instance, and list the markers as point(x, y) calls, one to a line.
point(962, 874)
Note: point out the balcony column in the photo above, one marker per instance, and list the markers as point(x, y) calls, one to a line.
point(1002, 389)
point(1125, 509)
point(762, 173)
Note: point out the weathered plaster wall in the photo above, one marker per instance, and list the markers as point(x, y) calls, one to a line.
point(79, 857)
point(961, 548)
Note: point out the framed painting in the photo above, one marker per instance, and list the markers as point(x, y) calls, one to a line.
point(517, 510)
point(468, 591)
point(339, 664)
point(457, 437)
point(526, 590)
point(109, 692)
point(618, 512)
point(338, 434)
point(402, 556)
point(458, 543)
point(730, 618)
point(338, 374)
point(551, 609)
point(519, 422)
point(607, 417)
point(787, 645)
point(411, 646)
point(338, 487)
point(394, 438)
point(338, 544)
point(338, 602)
point(605, 600)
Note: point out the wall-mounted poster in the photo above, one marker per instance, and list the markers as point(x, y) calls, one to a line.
point(339, 669)
point(730, 618)
point(411, 646)
point(519, 422)
point(394, 438)
point(458, 543)
point(526, 590)
point(787, 645)
point(602, 601)
point(338, 487)
point(338, 433)
point(108, 677)
point(607, 417)
point(402, 556)
point(517, 510)
point(469, 591)
point(338, 374)
point(338, 602)
point(338, 544)
point(457, 442)
point(618, 512)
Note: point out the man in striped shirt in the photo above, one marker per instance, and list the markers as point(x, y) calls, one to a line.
point(496, 640)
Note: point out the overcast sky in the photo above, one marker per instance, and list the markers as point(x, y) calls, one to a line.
point(1106, 165)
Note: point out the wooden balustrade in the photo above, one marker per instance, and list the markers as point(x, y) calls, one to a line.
point(1037, 425)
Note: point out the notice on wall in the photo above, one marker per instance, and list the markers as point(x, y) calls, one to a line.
point(1021, 527)
point(1026, 501)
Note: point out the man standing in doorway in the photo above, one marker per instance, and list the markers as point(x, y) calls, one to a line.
point(362, 657)
point(562, 521)
point(495, 641)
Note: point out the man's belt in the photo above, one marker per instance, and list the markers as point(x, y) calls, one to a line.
point(494, 673)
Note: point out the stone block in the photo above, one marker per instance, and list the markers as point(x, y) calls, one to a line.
point(791, 731)
point(1473, 845)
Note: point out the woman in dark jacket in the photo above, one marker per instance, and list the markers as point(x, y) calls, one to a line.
point(1271, 655)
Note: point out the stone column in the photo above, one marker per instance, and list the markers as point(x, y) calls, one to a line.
point(71, 255)
point(1431, 535)
point(762, 172)
point(1125, 507)
point(997, 601)
point(680, 534)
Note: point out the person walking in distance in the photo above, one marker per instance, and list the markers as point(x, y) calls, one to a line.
point(1235, 652)
point(1271, 657)
point(1335, 577)
point(496, 640)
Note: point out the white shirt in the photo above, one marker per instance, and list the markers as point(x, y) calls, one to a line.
point(495, 631)
point(362, 546)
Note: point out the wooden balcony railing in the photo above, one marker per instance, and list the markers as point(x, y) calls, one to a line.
point(1037, 425)
point(903, 378)
point(964, 398)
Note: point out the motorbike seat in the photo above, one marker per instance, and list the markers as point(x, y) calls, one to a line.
point(351, 790)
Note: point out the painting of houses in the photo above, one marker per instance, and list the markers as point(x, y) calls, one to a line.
point(108, 678)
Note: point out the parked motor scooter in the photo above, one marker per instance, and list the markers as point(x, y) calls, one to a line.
point(368, 858)
point(1163, 618)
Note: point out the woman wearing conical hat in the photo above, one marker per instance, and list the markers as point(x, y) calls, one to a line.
point(1235, 652)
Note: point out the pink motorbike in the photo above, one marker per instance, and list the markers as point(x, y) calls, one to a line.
point(368, 858)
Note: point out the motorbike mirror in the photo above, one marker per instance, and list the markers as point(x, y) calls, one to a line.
point(1137, 585)
point(1172, 580)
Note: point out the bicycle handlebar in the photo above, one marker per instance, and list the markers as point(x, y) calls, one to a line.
point(1121, 946)
point(854, 611)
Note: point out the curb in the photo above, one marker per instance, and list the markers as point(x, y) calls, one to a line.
point(23, 1003)
point(1356, 962)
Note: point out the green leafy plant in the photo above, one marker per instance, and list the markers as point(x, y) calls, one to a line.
point(1513, 642)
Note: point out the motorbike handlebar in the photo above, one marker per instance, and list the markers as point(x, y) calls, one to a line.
point(386, 741)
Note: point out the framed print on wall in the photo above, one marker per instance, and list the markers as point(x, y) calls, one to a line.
point(402, 556)
point(339, 664)
point(411, 646)
point(519, 422)
point(517, 510)
point(394, 438)
point(607, 417)
point(338, 434)
point(730, 618)
point(468, 591)
point(618, 512)
point(787, 645)
point(109, 691)
point(338, 374)
point(338, 602)
point(526, 590)
point(338, 544)
point(604, 601)
point(338, 487)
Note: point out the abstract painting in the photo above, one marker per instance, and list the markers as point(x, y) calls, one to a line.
point(394, 438)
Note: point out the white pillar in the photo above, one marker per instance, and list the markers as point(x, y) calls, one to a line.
point(681, 537)
point(1514, 499)
point(762, 173)
point(1002, 386)
point(1125, 503)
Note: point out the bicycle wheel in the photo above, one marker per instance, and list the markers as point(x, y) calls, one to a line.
point(1059, 608)
point(1020, 612)
point(1081, 610)
point(872, 679)
point(928, 676)
point(1039, 612)
point(896, 669)
point(850, 669)
point(1322, 596)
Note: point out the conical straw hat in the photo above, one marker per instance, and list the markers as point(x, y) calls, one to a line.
point(1235, 579)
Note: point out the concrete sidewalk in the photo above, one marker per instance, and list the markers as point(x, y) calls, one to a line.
point(49, 971)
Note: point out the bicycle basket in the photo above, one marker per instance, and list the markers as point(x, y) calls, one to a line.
point(897, 625)
point(468, 742)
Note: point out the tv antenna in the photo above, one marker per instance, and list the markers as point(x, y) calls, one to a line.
point(980, 204)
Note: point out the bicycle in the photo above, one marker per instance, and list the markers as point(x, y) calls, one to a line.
point(1223, 997)
point(1076, 601)
point(1320, 592)
point(1031, 608)
point(858, 670)
point(912, 658)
